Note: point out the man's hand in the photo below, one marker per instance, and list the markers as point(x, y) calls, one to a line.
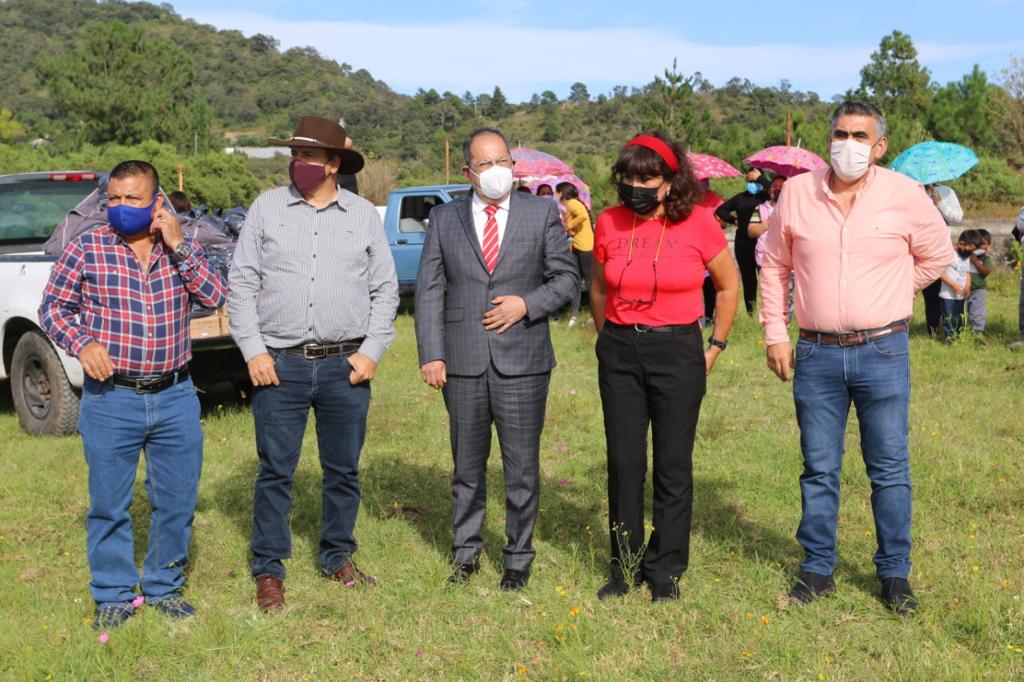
point(508, 311)
point(261, 371)
point(363, 368)
point(781, 360)
point(166, 223)
point(434, 373)
point(96, 361)
point(753, 174)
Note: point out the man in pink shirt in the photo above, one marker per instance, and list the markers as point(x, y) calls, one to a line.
point(861, 241)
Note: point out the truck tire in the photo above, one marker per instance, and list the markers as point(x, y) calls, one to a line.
point(43, 397)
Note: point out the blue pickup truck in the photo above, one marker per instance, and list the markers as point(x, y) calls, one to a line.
point(406, 221)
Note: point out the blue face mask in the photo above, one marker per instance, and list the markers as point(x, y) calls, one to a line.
point(129, 220)
point(753, 188)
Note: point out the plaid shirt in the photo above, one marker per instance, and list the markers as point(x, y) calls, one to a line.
point(97, 292)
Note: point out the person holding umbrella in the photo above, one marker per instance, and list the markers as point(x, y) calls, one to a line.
point(650, 255)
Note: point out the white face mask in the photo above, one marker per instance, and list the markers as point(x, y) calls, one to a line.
point(850, 159)
point(495, 182)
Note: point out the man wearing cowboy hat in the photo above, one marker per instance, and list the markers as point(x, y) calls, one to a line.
point(313, 297)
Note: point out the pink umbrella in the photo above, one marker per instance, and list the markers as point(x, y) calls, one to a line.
point(706, 166)
point(534, 163)
point(787, 161)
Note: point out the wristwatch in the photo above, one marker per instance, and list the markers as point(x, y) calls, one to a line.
point(720, 345)
point(182, 251)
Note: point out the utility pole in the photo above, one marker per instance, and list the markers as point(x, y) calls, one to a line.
point(447, 162)
point(789, 128)
point(181, 178)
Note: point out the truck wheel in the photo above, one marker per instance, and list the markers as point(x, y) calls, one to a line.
point(43, 398)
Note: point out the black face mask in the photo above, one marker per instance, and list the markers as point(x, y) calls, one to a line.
point(640, 200)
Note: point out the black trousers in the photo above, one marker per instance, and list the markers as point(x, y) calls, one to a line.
point(709, 293)
point(654, 380)
point(748, 271)
point(585, 262)
point(932, 306)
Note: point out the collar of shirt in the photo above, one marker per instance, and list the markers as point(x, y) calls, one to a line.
point(342, 200)
point(480, 217)
point(113, 238)
point(869, 177)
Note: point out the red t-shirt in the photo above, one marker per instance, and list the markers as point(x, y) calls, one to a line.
point(686, 248)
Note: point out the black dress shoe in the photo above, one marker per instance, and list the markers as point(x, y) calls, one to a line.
point(666, 591)
point(513, 580)
point(810, 586)
point(462, 573)
point(616, 587)
point(898, 596)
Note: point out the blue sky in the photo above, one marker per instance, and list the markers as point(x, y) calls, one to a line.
point(528, 46)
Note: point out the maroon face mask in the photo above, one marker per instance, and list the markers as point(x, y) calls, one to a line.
point(305, 176)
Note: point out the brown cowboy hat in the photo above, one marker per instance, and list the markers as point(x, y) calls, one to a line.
point(323, 133)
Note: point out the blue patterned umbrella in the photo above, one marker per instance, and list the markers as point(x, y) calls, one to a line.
point(931, 162)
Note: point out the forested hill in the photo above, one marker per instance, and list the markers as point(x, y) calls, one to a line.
point(81, 73)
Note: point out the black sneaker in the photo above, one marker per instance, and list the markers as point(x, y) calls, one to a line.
point(898, 596)
point(615, 587)
point(513, 580)
point(463, 572)
point(112, 615)
point(810, 586)
point(173, 607)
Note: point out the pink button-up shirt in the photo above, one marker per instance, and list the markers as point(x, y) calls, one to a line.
point(853, 272)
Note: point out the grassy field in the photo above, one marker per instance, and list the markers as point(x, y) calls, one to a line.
point(967, 444)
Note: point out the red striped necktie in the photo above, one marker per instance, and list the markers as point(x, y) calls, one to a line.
point(490, 245)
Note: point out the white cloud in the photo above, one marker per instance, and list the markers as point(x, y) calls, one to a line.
point(477, 56)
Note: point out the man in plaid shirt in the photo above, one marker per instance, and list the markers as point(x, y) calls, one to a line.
point(118, 299)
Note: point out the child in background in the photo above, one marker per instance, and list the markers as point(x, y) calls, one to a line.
point(956, 284)
point(980, 267)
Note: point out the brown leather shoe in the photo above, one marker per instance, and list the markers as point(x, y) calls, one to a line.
point(269, 593)
point(350, 576)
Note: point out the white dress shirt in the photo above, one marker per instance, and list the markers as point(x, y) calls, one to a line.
point(480, 218)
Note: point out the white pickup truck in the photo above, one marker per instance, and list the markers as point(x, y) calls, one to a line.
point(45, 381)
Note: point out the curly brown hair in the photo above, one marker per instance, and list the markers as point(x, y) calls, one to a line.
point(684, 191)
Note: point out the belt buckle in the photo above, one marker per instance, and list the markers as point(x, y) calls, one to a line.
point(857, 339)
point(151, 385)
point(311, 351)
point(639, 328)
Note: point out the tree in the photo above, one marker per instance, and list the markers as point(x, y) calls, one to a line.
point(669, 105)
point(962, 112)
point(894, 80)
point(1009, 108)
point(9, 128)
point(578, 93)
point(499, 106)
point(122, 85)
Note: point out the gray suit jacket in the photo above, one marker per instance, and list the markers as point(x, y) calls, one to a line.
point(454, 289)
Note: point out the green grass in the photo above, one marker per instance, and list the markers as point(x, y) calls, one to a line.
point(967, 444)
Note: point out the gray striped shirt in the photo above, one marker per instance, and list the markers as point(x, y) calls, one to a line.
point(306, 275)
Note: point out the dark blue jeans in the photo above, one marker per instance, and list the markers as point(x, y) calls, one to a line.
point(875, 377)
point(116, 425)
point(280, 414)
point(952, 316)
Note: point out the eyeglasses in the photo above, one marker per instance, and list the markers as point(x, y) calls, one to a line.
point(654, 268)
point(483, 166)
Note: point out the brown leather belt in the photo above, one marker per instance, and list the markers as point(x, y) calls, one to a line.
point(153, 384)
point(314, 351)
point(853, 338)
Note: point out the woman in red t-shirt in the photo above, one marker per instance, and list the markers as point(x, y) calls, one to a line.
point(650, 256)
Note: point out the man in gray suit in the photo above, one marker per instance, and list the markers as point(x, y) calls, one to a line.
point(495, 264)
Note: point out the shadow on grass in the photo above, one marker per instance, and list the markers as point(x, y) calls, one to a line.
point(718, 517)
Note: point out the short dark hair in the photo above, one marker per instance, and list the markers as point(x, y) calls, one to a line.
point(857, 108)
point(985, 235)
point(544, 186)
point(180, 202)
point(971, 237)
point(135, 167)
point(477, 133)
point(567, 190)
point(640, 161)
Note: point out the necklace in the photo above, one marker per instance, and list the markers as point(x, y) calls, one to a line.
point(632, 238)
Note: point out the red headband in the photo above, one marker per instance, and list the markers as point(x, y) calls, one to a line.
point(659, 147)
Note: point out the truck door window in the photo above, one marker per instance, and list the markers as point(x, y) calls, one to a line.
point(30, 211)
point(414, 212)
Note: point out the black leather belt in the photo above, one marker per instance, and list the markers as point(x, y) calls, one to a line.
point(153, 384)
point(853, 338)
point(314, 351)
point(664, 329)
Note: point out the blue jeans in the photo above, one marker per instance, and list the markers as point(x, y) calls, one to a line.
point(116, 425)
point(876, 378)
point(952, 315)
point(280, 414)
